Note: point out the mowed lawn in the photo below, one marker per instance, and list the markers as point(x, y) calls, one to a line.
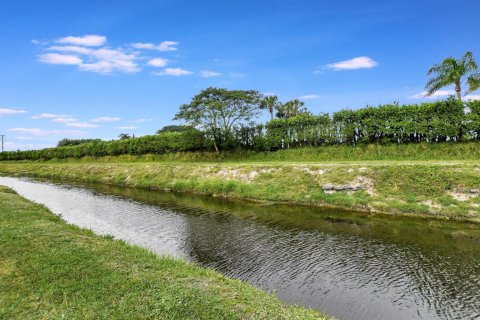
point(53, 270)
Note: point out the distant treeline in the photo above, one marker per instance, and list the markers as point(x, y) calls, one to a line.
point(449, 120)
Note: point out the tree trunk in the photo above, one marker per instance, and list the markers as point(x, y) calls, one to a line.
point(458, 90)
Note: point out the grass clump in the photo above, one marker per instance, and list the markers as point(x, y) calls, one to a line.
point(50, 270)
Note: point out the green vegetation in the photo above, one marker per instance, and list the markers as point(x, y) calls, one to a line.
point(451, 72)
point(435, 189)
point(389, 127)
point(52, 270)
point(74, 142)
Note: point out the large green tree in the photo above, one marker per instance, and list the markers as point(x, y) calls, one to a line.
point(453, 71)
point(218, 111)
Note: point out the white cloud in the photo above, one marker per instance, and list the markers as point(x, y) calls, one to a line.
point(65, 120)
point(472, 97)
point(309, 97)
point(158, 62)
point(87, 40)
point(90, 53)
point(209, 74)
point(106, 119)
point(56, 58)
point(162, 46)
point(50, 116)
point(318, 72)
point(437, 94)
point(42, 132)
point(127, 127)
point(4, 111)
point(352, 64)
point(76, 49)
point(11, 146)
point(173, 72)
point(82, 125)
point(109, 60)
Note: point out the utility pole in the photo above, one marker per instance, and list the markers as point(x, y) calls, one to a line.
point(2, 140)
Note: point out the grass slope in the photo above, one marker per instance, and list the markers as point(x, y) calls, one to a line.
point(440, 189)
point(52, 270)
point(335, 153)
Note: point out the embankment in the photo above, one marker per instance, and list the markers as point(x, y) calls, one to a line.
point(52, 270)
point(442, 189)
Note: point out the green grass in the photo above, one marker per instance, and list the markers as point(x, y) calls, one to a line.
point(52, 270)
point(335, 153)
point(435, 189)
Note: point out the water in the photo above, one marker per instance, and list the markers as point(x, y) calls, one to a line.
point(350, 265)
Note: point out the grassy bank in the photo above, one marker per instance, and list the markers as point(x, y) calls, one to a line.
point(369, 152)
point(438, 189)
point(50, 270)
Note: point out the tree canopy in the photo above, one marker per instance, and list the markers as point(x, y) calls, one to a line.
point(218, 111)
point(452, 71)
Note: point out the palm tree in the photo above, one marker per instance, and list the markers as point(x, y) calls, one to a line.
point(452, 71)
point(293, 108)
point(270, 103)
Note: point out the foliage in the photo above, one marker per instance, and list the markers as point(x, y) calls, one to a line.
point(452, 71)
point(124, 136)
point(155, 144)
point(73, 142)
point(174, 128)
point(219, 111)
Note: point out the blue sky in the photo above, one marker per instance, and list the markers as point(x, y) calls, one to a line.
point(88, 69)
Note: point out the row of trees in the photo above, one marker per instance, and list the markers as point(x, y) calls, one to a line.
point(449, 120)
point(220, 119)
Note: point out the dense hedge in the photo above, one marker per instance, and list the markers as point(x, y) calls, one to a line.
point(448, 120)
point(192, 140)
point(429, 122)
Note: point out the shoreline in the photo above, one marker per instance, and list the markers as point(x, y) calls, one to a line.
point(85, 275)
point(364, 187)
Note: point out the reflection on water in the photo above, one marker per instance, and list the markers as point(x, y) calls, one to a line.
point(347, 264)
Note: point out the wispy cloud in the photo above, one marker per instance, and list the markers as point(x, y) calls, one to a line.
point(309, 97)
point(106, 119)
point(65, 120)
point(50, 116)
point(100, 59)
point(438, 94)
point(57, 58)
point(86, 40)
point(352, 64)
point(162, 46)
point(472, 97)
point(108, 60)
point(173, 72)
point(5, 111)
point(42, 132)
point(442, 94)
point(209, 74)
point(91, 53)
point(82, 125)
point(127, 127)
point(12, 146)
point(158, 62)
